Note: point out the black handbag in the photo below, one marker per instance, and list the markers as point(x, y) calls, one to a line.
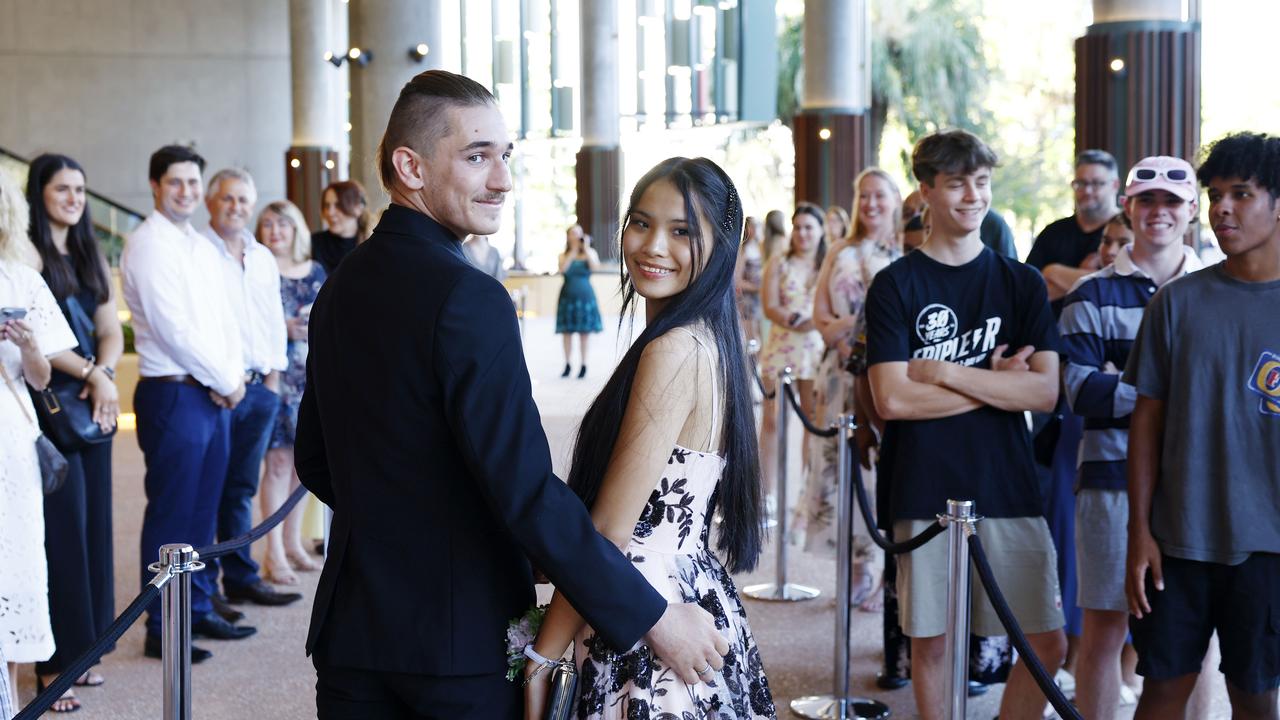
point(53, 466)
point(65, 418)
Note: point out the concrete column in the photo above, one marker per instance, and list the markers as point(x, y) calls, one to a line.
point(311, 162)
point(388, 29)
point(1138, 80)
point(599, 162)
point(831, 130)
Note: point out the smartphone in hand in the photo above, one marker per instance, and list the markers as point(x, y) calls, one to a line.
point(12, 313)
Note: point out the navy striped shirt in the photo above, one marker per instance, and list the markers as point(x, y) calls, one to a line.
point(1099, 321)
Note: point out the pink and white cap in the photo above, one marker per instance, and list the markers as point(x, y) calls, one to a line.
point(1162, 172)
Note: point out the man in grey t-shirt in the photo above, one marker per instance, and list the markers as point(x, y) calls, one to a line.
point(1204, 451)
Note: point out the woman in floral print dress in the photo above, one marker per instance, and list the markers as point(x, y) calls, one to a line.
point(669, 441)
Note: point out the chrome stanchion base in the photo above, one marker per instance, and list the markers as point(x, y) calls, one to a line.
point(789, 592)
point(825, 707)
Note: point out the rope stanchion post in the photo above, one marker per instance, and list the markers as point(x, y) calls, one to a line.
point(780, 590)
point(179, 561)
point(839, 705)
point(959, 521)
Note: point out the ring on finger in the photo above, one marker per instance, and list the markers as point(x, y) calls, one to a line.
point(705, 671)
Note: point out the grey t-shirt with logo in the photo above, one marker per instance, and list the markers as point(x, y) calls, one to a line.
point(1209, 347)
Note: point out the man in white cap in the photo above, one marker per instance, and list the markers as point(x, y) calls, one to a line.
point(1100, 318)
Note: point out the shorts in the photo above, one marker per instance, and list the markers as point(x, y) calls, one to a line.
point(1102, 544)
point(1022, 559)
point(1241, 602)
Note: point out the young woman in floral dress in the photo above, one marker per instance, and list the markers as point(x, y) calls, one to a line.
point(669, 442)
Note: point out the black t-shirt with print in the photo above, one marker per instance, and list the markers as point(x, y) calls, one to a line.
point(921, 308)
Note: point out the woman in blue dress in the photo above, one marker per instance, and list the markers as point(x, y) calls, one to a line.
point(577, 312)
point(282, 228)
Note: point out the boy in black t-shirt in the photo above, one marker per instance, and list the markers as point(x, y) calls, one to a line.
point(938, 323)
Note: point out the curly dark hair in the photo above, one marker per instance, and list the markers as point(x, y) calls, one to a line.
point(1245, 155)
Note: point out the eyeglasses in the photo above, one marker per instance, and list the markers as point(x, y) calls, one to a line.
point(1089, 184)
point(1148, 174)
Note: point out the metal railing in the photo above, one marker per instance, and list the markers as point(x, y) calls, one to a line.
point(172, 583)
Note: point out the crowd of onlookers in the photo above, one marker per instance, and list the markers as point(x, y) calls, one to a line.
point(1112, 405)
point(1115, 422)
point(219, 318)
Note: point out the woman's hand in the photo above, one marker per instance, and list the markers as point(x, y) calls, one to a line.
point(537, 691)
point(105, 398)
point(19, 333)
point(296, 328)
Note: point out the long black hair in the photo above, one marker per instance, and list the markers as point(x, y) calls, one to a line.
point(707, 301)
point(86, 269)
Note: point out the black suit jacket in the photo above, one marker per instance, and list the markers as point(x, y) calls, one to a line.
point(418, 428)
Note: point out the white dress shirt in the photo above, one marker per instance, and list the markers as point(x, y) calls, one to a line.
point(254, 292)
point(182, 321)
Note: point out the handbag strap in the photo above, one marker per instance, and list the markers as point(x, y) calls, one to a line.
point(5, 374)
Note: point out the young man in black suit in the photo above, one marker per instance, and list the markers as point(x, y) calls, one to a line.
point(418, 428)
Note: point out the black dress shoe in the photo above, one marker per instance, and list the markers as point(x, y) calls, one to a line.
point(225, 611)
point(567, 370)
point(151, 649)
point(261, 594)
point(583, 372)
point(213, 626)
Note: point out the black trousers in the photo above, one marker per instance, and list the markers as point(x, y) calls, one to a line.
point(352, 694)
point(77, 541)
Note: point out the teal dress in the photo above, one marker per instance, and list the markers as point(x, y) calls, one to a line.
point(577, 310)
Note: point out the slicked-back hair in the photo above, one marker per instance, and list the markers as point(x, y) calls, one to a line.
point(1097, 157)
point(1247, 156)
point(170, 155)
point(420, 117)
point(84, 268)
point(955, 152)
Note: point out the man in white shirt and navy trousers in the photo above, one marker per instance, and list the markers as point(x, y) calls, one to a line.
point(252, 286)
point(192, 376)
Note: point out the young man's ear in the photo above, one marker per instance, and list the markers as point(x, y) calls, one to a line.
point(411, 168)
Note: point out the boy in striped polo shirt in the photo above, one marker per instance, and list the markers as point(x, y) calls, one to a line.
point(1100, 319)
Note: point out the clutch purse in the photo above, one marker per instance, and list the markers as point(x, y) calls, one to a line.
point(564, 682)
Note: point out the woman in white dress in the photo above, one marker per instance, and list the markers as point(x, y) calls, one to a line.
point(31, 329)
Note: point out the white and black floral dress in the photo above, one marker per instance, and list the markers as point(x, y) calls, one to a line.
point(669, 546)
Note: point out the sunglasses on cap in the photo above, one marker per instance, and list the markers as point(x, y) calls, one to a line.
point(1149, 174)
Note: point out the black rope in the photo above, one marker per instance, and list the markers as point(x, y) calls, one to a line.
point(755, 372)
point(864, 505)
point(264, 527)
point(804, 419)
point(1047, 686)
point(54, 690)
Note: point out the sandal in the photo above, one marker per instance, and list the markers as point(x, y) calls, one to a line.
point(279, 574)
point(863, 587)
point(90, 679)
point(68, 703)
point(874, 602)
point(300, 561)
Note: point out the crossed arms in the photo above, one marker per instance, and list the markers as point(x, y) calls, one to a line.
point(931, 389)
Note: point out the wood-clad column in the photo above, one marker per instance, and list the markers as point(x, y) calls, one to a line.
point(1138, 81)
point(831, 132)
